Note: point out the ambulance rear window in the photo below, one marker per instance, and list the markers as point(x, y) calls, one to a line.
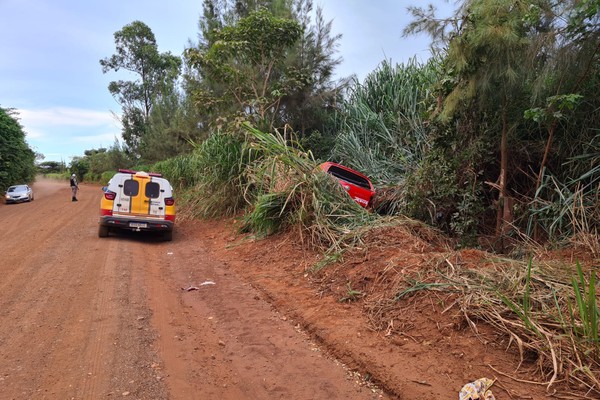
point(131, 187)
point(152, 190)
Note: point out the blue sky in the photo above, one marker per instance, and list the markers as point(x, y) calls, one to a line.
point(50, 52)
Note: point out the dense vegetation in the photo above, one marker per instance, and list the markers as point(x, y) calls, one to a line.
point(495, 136)
point(17, 160)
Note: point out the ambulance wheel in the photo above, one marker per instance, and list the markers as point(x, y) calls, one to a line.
point(102, 231)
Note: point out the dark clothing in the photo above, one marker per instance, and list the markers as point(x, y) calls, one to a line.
point(74, 187)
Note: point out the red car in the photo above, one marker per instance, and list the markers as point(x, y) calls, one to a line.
point(358, 186)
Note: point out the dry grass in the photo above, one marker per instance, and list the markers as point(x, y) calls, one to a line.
point(546, 310)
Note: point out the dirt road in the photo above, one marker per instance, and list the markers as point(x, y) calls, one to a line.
point(89, 318)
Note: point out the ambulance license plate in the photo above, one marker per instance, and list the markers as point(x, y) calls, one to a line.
point(138, 225)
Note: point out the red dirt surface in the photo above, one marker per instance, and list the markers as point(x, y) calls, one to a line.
point(216, 315)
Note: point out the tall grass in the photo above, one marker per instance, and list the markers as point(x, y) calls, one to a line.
point(213, 177)
point(182, 171)
point(569, 211)
point(382, 127)
point(586, 329)
point(291, 191)
point(274, 181)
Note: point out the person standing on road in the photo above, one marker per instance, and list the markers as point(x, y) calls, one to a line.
point(74, 187)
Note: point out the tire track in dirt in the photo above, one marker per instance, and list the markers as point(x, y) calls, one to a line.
point(46, 295)
point(65, 324)
point(178, 340)
point(225, 341)
point(104, 326)
point(86, 318)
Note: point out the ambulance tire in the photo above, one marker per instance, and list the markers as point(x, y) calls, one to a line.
point(102, 231)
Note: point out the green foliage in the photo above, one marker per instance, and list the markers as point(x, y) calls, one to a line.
point(320, 144)
point(95, 162)
point(182, 171)
point(213, 174)
point(583, 20)
point(80, 166)
point(268, 216)
point(135, 127)
point(310, 108)
point(565, 210)
point(422, 169)
point(172, 129)
point(137, 53)
point(507, 65)
point(587, 308)
point(105, 177)
point(265, 62)
point(446, 189)
point(47, 167)
point(247, 61)
point(382, 124)
point(291, 191)
point(523, 309)
point(280, 184)
point(555, 108)
point(17, 160)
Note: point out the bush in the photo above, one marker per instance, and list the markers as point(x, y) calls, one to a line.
point(17, 160)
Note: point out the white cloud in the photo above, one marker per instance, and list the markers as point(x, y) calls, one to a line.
point(106, 139)
point(65, 116)
point(34, 134)
point(62, 132)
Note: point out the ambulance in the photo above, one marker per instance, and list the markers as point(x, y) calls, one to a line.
point(137, 201)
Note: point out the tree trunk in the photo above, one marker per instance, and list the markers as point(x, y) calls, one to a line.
point(538, 182)
point(504, 211)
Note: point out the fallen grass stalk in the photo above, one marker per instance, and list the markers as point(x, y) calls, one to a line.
point(290, 191)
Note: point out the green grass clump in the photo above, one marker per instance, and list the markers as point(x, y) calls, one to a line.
point(273, 181)
point(287, 189)
point(211, 180)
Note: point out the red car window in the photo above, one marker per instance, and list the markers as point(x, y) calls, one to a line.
point(349, 177)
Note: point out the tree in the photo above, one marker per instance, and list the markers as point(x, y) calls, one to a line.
point(301, 86)
point(248, 60)
point(173, 129)
point(17, 160)
point(79, 166)
point(523, 75)
point(97, 161)
point(310, 107)
point(137, 52)
point(47, 167)
point(485, 58)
